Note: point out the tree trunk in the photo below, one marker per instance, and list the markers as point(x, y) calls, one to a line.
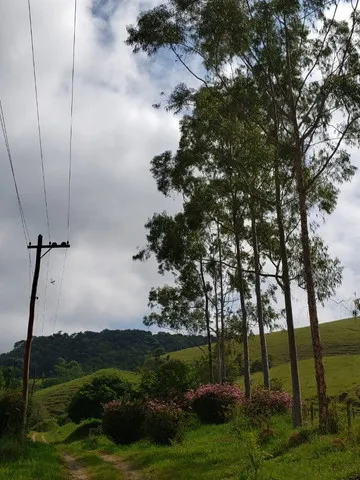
point(263, 345)
point(218, 333)
point(207, 321)
point(247, 380)
point(311, 294)
point(222, 312)
point(295, 379)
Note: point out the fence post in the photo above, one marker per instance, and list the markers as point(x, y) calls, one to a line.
point(349, 414)
point(312, 413)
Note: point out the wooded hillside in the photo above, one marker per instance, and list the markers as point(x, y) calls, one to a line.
point(125, 349)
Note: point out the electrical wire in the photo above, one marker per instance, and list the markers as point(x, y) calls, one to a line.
point(71, 120)
point(45, 292)
point(20, 207)
point(70, 159)
point(38, 120)
point(60, 290)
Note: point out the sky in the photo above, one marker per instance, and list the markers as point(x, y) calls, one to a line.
point(116, 133)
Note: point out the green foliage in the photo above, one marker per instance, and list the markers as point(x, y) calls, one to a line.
point(90, 351)
point(214, 403)
point(123, 420)
point(277, 384)
point(170, 381)
point(303, 435)
point(57, 398)
point(89, 400)
point(265, 403)
point(83, 430)
point(164, 422)
point(9, 378)
point(11, 413)
point(24, 460)
point(66, 371)
point(40, 419)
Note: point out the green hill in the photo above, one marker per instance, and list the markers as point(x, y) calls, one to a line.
point(342, 375)
point(56, 398)
point(124, 349)
point(341, 337)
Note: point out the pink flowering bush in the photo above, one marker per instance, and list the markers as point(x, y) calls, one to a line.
point(164, 422)
point(123, 420)
point(213, 403)
point(265, 403)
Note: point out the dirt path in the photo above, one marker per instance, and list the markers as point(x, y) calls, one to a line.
point(76, 472)
point(120, 465)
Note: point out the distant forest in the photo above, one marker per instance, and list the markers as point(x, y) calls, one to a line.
point(125, 349)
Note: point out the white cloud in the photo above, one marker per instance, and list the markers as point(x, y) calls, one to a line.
point(116, 134)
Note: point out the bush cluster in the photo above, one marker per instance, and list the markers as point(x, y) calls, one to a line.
point(88, 401)
point(169, 382)
point(123, 420)
point(265, 403)
point(164, 422)
point(11, 413)
point(213, 402)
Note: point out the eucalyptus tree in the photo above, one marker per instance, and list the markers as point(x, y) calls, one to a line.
point(181, 251)
point(304, 65)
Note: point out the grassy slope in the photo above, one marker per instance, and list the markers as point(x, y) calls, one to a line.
point(55, 398)
point(341, 337)
point(213, 452)
point(342, 375)
point(29, 461)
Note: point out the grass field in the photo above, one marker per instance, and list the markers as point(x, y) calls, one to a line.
point(341, 337)
point(215, 452)
point(55, 398)
point(342, 375)
point(25, 461)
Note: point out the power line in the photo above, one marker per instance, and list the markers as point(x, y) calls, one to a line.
point(20, 207)
point(71, 119)
point(38, 120)
point(70, 158)
point(60, 290)
point(45, 292)
point(21, 210)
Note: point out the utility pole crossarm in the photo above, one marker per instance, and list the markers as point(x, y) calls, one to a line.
point(51, 245)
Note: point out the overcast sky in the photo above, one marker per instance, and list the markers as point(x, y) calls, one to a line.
point(116, 134)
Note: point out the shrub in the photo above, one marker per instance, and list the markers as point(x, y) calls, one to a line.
point(40, 419)
point(12, 449)
point(169, 382)
point(11, 413)
point(213, 403)
point(83, 430)
point(123, 420)
point(277, 384)
point(299, 437)
point(164, 423)
point(334, 418)
point(266, 435)
point(265, 403)
point(88, 401)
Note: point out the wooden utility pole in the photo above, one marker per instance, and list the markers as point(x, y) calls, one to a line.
point(33, 297)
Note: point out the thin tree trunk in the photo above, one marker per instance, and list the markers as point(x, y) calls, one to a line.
point(247, 380)
point(222, 304)
point(305, 241)
point(218, 333)
point(311, 296)
point(263, 345)
point(207, 321)
point(295, 379)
